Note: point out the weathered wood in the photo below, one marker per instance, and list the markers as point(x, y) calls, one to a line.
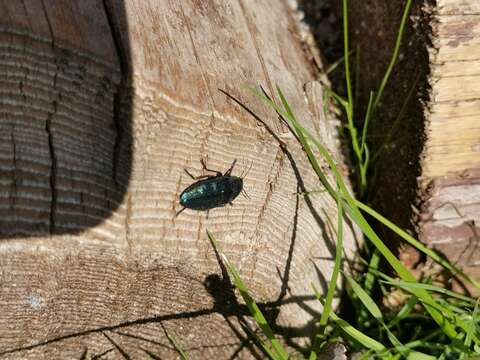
point(92, 257)
point(451, 165)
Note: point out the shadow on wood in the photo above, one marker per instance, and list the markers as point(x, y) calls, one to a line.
point(66, 122)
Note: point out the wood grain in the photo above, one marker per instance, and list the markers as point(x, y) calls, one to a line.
point(450, 182)
point(454, 135)
point(104, 108)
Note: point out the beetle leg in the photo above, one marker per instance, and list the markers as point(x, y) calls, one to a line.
point(188, 173)
point(207, 213)
point(246, 171)
point(205, 168)
point(245, 194)
point(178, 212)
point(229, 171)
point(196, 177)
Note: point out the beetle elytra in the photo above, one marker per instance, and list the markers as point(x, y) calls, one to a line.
point(211, 191)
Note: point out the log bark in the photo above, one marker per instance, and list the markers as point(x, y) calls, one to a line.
point(104, 104)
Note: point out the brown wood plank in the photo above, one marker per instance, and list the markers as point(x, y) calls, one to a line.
point(450, 167)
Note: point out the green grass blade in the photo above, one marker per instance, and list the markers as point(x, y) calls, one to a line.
point(366, 122)
point(431, 288)
point(372, 267)
point(399, 347)
point(252, 306)
point(415, 355)
point(176, 344)
point(259, 340)
point(356, 334)
point(302, 139)
point(425, 340)
point(346, 54)
point(396, 50)
point(336, 97)
point(448, 314)
point(367, 355)
point(333, 66)
point(472, 325)
point(404, 311)
point(366, 300)
point(375, 311)
point(332, 286)
point(396, 123)
point(359, 336)
point(447, 309)
point(415, 243)
point(349, 108)
point(336, 267)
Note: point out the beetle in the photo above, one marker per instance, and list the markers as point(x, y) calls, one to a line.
point(211, 191)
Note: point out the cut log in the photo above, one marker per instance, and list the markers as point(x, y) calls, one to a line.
point(104, 104)
point(450, 181)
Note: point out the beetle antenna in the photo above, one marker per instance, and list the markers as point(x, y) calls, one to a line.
point(229, 171)
point(178, 212)
point(245, 173)
point(245, 194)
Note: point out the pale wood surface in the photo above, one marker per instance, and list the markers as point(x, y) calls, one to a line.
point(450, 183)
point(453, 142)
point(92, 259)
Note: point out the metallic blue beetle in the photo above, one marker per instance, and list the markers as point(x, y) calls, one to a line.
point(212, 191)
